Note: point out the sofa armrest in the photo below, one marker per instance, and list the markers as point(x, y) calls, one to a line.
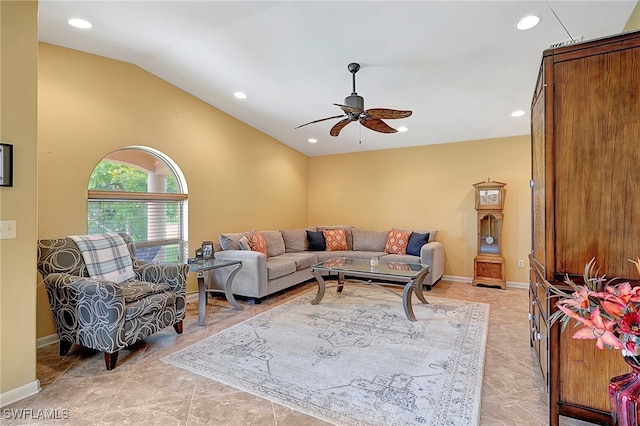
point(251, 280)
point(432, 254)
point(173, 274)
point(93, 310)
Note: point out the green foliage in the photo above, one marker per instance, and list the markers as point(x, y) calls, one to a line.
point(111, 176)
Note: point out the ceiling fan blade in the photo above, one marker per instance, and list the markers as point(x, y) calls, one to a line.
point(377, 125)
point(322, 119)
point(348, 109)
point(388, 113)
point(335, 130)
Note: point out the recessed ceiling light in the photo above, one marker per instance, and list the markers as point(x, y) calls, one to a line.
point(240, 95)
point(312, 140)
point(528, 22)
point(80, 23)
point(402, 129)
point(518, 113)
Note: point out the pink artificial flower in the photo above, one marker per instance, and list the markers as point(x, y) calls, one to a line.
point(579, 299)
point(595, 327)
point(617, 299)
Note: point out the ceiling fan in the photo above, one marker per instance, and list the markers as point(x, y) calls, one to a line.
point(354, 111)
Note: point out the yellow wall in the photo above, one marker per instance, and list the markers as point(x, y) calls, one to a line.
point(18, 124)
point(238, 178)
point(634, 20)
point(429, 187)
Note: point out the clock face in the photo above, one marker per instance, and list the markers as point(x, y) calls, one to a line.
point(489, 196)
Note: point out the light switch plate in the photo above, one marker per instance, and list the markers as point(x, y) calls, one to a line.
point(8, 229)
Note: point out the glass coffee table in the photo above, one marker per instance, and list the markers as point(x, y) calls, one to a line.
point(411, 273)
point(205, 265)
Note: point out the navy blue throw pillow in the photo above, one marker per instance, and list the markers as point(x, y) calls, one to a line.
point(316, 241)
point(416, 241)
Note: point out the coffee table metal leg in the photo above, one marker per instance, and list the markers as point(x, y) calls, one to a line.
point(228, 291)
point(320, 281)
point(340, 282)
point(418, 289)
point(202, 299)
point(406, 300)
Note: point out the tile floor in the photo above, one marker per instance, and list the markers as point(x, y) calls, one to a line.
point(145, 390)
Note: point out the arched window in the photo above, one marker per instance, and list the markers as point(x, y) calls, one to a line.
point(142, 192)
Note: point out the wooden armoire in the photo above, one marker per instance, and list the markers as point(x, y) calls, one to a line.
point(585, 133)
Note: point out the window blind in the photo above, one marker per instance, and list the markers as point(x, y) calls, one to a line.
point(155, 222)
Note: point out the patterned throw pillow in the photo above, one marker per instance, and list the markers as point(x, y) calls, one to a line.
point(257, 243)
point(335, 239)
point(397, 242)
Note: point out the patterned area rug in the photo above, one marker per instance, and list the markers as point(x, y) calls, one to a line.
point(354, 359)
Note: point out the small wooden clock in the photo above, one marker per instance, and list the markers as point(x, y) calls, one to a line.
point(488, 264)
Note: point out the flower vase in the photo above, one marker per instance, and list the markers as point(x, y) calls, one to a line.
point(624, 395)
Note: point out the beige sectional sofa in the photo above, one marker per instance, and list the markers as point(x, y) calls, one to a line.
point(289, 258)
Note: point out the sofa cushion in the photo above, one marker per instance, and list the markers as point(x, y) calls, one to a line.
point(407, 258)
point(257, 243)
point(327, 255)
point(397, 241)
point(295, 240)
point(302, 260)
point(275, 243)
point(316, 241)
point(416, 241)
point(243, 243)
point(369, 240)
point(230, 241)
point(279, 267)
point(364, 254)
point(335, 239)
point(347, 231)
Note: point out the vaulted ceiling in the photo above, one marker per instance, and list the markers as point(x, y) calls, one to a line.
point(461, 66)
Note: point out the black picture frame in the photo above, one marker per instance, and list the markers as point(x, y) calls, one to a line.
point(207, 249)
point(6, 164)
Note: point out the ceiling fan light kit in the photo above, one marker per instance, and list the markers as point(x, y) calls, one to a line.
point(353, 109)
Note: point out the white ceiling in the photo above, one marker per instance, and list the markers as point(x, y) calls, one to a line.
point(461, 66)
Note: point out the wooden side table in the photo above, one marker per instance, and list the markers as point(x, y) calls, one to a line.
point(207, 265)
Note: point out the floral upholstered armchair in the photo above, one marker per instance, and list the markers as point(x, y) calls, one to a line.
point(108, 315)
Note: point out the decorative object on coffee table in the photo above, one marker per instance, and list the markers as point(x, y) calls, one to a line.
point(488, 265)
point(207, 249)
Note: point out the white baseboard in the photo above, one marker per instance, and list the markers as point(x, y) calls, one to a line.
point(510, 284)
point(17, 394)
point(46, 341)
point(516, 284)
point(458, 279)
